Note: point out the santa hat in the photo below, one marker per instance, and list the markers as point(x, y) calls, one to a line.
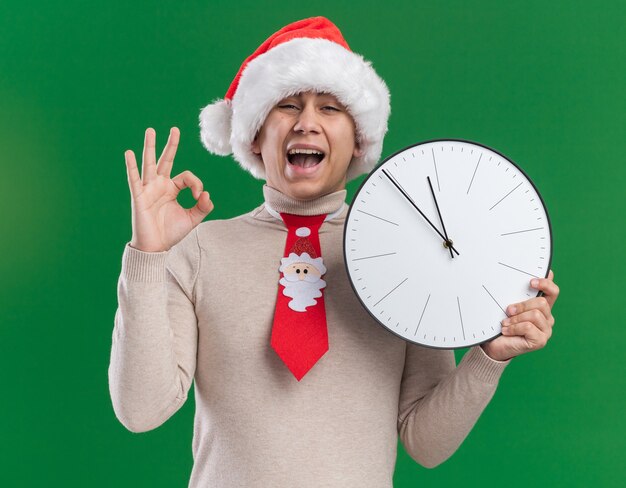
point(307, 55)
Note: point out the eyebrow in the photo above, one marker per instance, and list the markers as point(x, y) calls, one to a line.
point(321, 95)
point(330, 99)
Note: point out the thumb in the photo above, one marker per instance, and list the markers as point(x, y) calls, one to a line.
point(201, 209)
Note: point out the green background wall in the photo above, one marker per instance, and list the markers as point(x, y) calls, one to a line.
point(542, 82)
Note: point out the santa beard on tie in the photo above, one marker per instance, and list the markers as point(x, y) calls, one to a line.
point(302, 291)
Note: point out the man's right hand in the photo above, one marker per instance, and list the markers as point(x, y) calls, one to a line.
point(159, 221)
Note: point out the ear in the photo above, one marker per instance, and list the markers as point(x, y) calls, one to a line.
point(256, 147)
point(358, 152)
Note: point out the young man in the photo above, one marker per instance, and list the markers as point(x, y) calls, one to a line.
point(295, 384)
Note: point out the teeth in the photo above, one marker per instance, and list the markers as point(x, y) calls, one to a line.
point(304, 151)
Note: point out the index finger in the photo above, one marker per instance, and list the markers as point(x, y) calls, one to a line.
point(166, 160)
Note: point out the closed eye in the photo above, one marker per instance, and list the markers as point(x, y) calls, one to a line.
point(332, 108)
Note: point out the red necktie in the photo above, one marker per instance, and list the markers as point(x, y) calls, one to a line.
point(299, 332)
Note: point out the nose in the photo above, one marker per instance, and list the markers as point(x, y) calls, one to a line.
point(307, 120)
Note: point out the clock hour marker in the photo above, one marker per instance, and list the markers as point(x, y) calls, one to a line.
point(470, 185)
point(499, 306)
point(507, 195)
point(518, 231)
point(377, 256)
point(461, 316)
point(394, 288)
point(376, 216)
point(423, 310)
point(530, 274)
point(435, 164)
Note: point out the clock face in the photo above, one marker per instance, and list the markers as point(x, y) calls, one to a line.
point(446, 285)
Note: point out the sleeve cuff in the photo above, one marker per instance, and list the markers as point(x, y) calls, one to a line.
point(147, 267)
point(487, 369)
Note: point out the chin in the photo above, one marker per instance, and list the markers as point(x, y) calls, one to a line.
point(304, 190)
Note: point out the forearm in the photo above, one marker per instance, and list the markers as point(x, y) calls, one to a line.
point(434, 428)
point(146, 380)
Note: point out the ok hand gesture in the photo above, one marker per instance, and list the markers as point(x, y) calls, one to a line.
point(158, 220)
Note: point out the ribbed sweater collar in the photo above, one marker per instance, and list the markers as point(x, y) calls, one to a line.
point(326, 204)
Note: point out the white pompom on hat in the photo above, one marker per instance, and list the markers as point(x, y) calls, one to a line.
point(307, 55)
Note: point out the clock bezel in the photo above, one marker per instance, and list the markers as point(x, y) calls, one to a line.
point(345, 232)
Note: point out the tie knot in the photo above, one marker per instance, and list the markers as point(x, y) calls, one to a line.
point(303, 223)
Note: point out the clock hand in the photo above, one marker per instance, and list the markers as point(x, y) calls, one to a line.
point(397, 185)
point(448, 241)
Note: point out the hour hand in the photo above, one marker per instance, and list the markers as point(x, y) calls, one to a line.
point(448, 242)
point(401, 190)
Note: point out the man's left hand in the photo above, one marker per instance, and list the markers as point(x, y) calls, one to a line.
point(529, 323)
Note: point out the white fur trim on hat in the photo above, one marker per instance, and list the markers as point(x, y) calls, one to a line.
point(301, 64)
point(215, 127)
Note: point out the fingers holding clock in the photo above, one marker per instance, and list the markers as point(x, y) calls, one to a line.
point(525, 337)
point(531, 321)
point(535, 312)
point(531, 329)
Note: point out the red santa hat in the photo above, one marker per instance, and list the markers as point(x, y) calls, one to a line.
point(307, 55)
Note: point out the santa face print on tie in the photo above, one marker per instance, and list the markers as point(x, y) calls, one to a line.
point(302, 273)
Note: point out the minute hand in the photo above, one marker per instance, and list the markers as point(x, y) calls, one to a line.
point(416, 208)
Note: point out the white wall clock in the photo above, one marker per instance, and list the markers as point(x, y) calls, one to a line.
point(441, 237)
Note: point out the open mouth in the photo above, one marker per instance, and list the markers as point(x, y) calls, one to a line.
point(307, 159)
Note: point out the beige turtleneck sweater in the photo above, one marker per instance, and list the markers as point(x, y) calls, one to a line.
point(204, 310)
